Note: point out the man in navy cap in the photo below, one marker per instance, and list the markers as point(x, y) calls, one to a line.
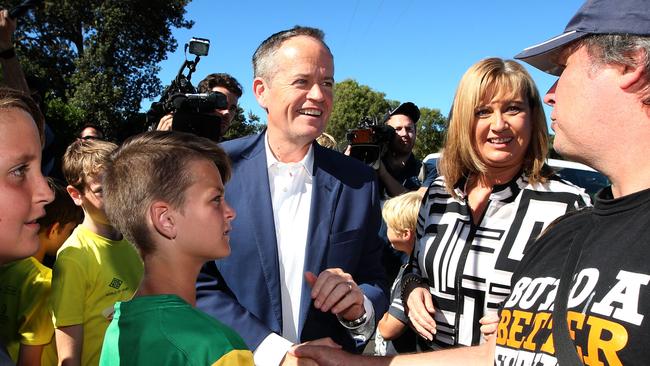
point(399, 168)
point(581, 294)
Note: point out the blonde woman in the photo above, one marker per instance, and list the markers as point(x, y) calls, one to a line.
point(494, 197)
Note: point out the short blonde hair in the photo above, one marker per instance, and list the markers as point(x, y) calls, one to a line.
point(154, 166)
point(482, 82)
point(84, 159)
point(401, 212)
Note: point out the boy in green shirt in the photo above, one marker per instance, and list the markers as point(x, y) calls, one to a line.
point(165, 192)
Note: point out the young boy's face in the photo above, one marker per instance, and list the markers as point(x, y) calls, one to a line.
point(401, 240)
point(91, 199)
point(23, 189)
point(204, 223)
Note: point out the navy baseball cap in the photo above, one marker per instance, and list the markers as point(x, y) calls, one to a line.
point(594, 17)
point(408, 109)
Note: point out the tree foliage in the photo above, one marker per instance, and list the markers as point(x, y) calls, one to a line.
point(99, 57)
point(243, 126)
point(430, 132)
point(352, 103)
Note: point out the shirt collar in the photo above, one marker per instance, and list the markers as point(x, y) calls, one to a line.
point(307, 161)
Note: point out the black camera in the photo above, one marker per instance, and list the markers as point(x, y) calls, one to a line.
point(370, 141)
point(193, 112)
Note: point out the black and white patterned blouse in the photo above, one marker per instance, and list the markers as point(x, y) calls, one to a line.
point(468, 267)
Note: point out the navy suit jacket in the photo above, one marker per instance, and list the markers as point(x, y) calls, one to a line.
point(243, 290)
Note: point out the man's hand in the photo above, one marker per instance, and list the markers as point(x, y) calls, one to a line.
point(420, 309)
point(291, 359)
point(7, 28)
point(334, 291)
point(326, 356)
point(165, 123)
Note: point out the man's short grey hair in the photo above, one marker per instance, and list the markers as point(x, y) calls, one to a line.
point(620, 49)
point(263, 58)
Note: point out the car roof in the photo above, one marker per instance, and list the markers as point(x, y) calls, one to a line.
point(431, 156)
point(557, 163)
point(553, 163)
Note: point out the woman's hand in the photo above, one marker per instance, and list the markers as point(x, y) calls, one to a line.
point(489, 324)
point(420, 312)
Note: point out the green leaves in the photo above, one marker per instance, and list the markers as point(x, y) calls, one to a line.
point(100, 56)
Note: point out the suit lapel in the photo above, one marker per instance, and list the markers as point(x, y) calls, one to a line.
point(323, 204)
point(257, 195)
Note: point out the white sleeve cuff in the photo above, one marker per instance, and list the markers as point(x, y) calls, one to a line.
point(363, 332)
point(271, 351)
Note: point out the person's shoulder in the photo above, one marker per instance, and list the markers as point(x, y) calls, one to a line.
point(240, 146)
point(74, 244)
point(563, 227)
point(83, 247)
point(437, 188)
point(193, 328)
point(555, 183)
point(28, 271)
point(341, 165)
point(37, 270)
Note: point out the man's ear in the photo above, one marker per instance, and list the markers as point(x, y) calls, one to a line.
point(259, 89)
point(163, 219)
point(75, 194)
point(633, 75)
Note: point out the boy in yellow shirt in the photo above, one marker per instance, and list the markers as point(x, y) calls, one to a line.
point(95, 267)
point(173, 208)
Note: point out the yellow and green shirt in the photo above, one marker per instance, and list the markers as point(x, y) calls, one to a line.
point(166, 330)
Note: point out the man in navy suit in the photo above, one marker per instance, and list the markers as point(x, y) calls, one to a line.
point(305, 260)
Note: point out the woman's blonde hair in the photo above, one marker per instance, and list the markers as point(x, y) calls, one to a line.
point(482, 82)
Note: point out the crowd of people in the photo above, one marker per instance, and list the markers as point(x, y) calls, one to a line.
point(272, 249)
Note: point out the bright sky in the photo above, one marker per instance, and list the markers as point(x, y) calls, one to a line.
point(411, 50)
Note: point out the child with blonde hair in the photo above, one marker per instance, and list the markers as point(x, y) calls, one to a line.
point(400, 214)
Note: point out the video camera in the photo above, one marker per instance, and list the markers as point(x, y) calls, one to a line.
point(192, 111)
point(370, 141)
point(22, 8)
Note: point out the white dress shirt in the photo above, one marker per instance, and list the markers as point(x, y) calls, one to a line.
point(291, 192)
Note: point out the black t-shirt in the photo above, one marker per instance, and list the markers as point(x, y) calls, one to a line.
point(407, 176)
point(609, 298)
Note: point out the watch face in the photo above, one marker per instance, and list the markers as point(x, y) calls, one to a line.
point(351, 324)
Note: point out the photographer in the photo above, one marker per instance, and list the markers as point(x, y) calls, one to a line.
point(11, 71)
point(218, 82)
point(398, 170)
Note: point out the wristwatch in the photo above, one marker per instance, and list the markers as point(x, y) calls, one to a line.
point(353, 324)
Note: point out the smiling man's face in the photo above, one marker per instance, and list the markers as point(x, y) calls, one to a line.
point(299, 94)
